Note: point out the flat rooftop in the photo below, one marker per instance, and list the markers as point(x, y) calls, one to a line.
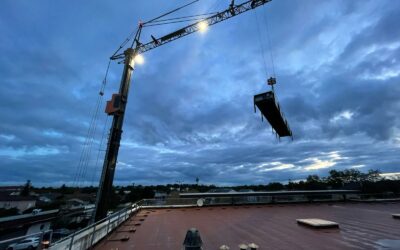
point(361, 226)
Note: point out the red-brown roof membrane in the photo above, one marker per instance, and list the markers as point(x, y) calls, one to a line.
point(362, 226)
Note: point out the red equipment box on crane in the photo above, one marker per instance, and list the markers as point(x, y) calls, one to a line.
point(114, 105)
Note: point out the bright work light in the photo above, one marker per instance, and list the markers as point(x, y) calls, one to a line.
point(139, 59)
point(203, 26)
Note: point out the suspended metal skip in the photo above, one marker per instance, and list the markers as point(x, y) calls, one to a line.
point(270, 109)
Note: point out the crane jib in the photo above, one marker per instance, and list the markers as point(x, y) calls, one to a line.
point(232, 11)
point(173, 34)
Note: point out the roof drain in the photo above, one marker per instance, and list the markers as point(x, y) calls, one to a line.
point(192, 240)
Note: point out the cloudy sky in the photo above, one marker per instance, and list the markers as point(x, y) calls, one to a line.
point(190, 111)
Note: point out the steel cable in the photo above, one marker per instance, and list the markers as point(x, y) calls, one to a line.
point(261, 41)
point(84, 159)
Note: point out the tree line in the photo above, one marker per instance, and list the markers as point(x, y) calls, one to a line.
point(369, 182)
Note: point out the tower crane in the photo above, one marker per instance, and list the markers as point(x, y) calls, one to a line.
point(116, 107)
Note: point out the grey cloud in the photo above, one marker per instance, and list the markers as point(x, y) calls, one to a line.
point(190, 111)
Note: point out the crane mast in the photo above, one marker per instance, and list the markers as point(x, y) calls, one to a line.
point(110, 159)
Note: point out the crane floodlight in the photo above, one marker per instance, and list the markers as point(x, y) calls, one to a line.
point(203, 26)
point(139, 59)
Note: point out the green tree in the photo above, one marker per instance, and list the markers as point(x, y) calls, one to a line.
point(373, 175)
point(274, 186)
point(335, 179)
point(27, 188)
point(313, 182)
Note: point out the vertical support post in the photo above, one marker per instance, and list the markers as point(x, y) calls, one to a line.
point(108, 224)
point(41, 239)
point(119, 216)
point(50, 237)
point(110, 160)
point(93, 233)
point(72, 241)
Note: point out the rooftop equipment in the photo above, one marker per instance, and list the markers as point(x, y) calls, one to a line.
point(270, 109)
point(253, 246)
point(317, 223)
point(193, 240)
point(243, 247)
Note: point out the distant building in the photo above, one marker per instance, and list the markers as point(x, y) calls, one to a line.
point(49, 197)
point(75, 203)
point(44, 199)
point(19, 202)
point(86, 197)
point(11, 190)
point(174, 194)
point(244, 190)
point(249, 198)
point(221, 190)
point(160, 195)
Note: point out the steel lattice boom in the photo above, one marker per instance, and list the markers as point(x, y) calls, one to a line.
point(232, 11)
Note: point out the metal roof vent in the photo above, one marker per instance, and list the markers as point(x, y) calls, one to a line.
point(243, 247)
point(253, 246)
point(224, 247)
point(200, 202)
point(193, 240)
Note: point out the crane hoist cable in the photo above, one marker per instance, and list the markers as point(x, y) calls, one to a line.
point(265, 17)
point(96, 165)
point(84, 159)
point(272, 79)
point(261, 42)
point(267, 102)
point(85, 154)
point(85, 149)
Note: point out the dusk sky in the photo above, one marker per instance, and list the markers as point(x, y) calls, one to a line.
point(190, 110)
